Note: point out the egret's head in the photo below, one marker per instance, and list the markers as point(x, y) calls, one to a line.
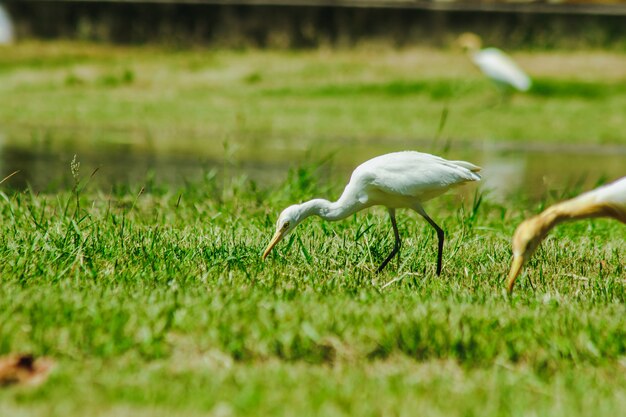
point(470, 42)
point(287, 221)
point(526, 240)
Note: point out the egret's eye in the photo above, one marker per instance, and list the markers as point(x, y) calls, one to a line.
point(286, 225)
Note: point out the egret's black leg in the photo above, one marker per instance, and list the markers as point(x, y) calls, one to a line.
point(440, 236)
point(397, 244)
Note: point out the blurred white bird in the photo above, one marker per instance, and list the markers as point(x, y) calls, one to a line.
point(6, 27)
point(396, 180)
point(606, 201)
point(495, 64)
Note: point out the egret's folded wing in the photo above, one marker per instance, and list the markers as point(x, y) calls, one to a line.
point(423, 181)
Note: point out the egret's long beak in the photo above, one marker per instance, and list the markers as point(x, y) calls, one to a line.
point(516, 268)
point(277, 238)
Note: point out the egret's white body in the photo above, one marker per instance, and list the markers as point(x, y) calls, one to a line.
point(501, 69)
point(396, 180)
point(605, 201)
point(495, 64)
point(6, 27)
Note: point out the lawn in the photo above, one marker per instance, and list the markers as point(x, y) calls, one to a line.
point(153, 299)
point(182, 100)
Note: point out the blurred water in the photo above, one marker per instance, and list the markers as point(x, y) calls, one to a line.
point(48, 169)
point(534, 170)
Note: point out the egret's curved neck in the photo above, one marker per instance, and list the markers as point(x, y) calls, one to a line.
point(574, 209)
point(329, 210)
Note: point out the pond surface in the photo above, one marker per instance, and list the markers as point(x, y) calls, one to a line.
point(533, 169)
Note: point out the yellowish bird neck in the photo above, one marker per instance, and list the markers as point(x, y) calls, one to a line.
point(579, 208)
point(597, 203)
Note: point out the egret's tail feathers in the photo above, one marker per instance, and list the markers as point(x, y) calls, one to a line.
point(468, 165)
point(473, 169)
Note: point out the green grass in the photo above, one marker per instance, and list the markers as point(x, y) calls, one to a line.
point(177, 100)
point(153, 298)
point(158, 303)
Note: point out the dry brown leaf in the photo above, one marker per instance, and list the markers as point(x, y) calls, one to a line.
point(24, 369)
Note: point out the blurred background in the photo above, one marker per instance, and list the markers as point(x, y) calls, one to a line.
point(162, 93)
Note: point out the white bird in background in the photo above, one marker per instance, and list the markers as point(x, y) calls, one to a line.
point(6, 27)
point(396, 180)
point(606, 201)
point(495, 64)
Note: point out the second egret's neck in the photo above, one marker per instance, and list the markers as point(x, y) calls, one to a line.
point(329, 210)
point(574, 209)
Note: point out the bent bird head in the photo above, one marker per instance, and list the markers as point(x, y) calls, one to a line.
point(526, 240)
point(287, 221)
point(470, 42)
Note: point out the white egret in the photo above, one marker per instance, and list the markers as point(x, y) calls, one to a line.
point(495, 64)
point(396, 180)
point(6, 27)
point(606, 201)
